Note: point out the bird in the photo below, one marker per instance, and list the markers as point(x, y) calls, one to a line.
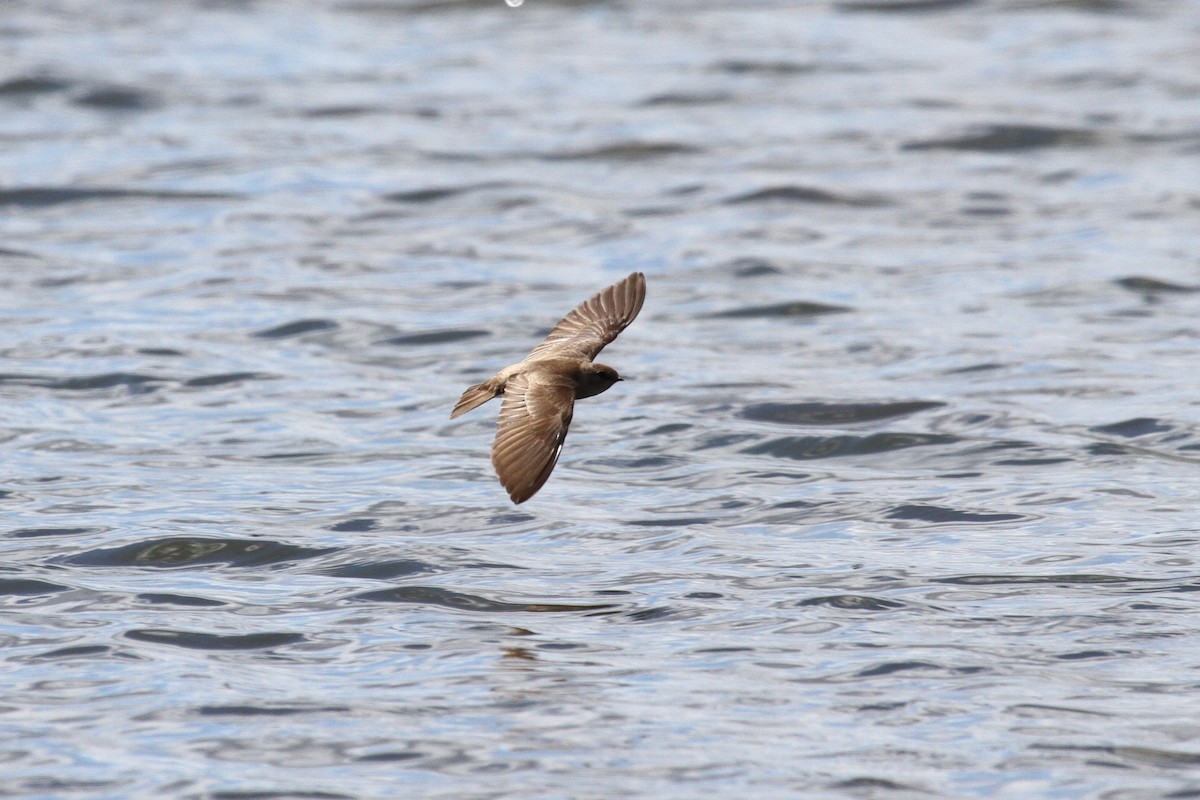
point(540, 391)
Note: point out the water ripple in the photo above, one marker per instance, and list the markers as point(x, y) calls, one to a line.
point(898, 498)
point(180, 552)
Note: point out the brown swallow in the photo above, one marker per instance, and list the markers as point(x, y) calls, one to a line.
point(540, 392)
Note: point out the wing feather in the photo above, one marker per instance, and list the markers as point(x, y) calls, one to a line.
point(595, 322)
point(533, 424)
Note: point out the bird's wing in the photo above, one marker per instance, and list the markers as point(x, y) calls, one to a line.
point(594, 322)
point(533, 424)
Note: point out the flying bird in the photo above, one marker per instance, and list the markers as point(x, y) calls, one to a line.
point(540, 392)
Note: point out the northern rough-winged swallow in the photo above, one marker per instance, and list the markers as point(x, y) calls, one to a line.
point(540, 392)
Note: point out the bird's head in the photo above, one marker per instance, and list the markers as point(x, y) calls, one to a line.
point(596, 378)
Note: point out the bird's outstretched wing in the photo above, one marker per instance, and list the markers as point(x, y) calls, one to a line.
point(533, 424)
point(594, 322)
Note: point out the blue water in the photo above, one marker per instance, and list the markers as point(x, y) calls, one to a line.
point(898, 500)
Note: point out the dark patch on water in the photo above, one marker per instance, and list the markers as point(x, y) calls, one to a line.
point(724, 440)
point(938, 514)
point(1138, 755)
point(1087, 655)
point(389, 757)
point(1002, 580)
point(985, 367)
point(436, 337)
point(297, 328)
point(37, 533)
point(900, 6)
point(193, 640)
point(225, 378)
point(805, 504)
point(1031, 462)
point(360, 525)
point(1005, 446)
point(510, 518)
point(79, 651)
point(1106, 449)
point(893, 667)
point(118, 98)
point(1132, 428)
point(651, 614)
point(435, 193)
point(750, 267)
point(340, 112)
point(168, 599)
point(177, 552)
point(9, 253)
point(42, 196)
point(768, 68)
point(432, 595)
point(685, 99)
point(135, 383)
point(131, 381)
point(853, 602)
point(833, 414)
point(1153, 286)
point(867, 787)
point(381, 570)
point(625, 151)
point(28, 587)
point(297, 455)
point(798, 308)
point(1009, 138)
point(806, 194)
point(671, 427)
point(1187, 587)
point(805, 448)
point(25, 85)
point(291, 794)
point(387, 8)
point(985, 211)
point(1081, 5)
point(562, 646)
point(644, 462)
point(264, 711)
point(678, 522)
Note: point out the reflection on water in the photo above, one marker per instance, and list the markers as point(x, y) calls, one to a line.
point(899, 498)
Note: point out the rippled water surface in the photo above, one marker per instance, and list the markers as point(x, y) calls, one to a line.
point(899, 500)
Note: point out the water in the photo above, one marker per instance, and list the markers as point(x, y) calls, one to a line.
point(899, 499)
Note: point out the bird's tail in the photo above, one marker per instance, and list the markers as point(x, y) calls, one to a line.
point(474, 397)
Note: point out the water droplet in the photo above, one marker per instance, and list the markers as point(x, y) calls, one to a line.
point(514, 3)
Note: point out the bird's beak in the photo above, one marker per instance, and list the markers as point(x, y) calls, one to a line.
point(620, 379)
